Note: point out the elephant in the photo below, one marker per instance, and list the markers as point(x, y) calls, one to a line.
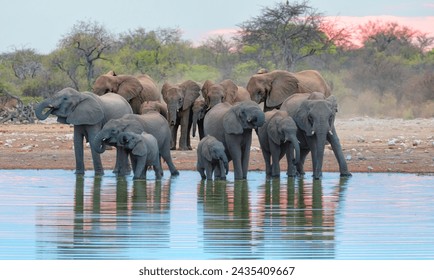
point(152, 123)
point(232, 125)
point(143, 151)
point(275, 86)
point(199, 110)
point(225, 91)
point(278, 137)
point(179, 99)
point(151, 106)
point(135, 89)
point(314, 115)
point(211, 157)
point(88, 113)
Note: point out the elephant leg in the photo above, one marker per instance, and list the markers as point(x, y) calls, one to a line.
point(300, 164)
point(140, 168)
point(209, 170)
point(290, 171)
point(267, 157)
point(122, 167)
point(275, 158)
point(246, 153)
point(78, 150)
point(174, 132)
point(337, 150)
point(201, 171)
point(165, 154)
point(157, 170)
point(92, 131)
point(184, 139)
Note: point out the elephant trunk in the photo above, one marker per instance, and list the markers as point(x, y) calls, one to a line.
point(318, 154)
point(224, 168)
point(98, 142)
point(213, 102)
point(39, 110)
point(173, 111)
point(296, 146)
point(195, 123)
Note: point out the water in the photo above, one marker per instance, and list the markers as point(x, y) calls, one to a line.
point(52, 214)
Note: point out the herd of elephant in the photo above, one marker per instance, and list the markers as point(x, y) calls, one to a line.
point(131, 114)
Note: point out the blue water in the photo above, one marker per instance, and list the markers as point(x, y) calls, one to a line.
point(54, 214)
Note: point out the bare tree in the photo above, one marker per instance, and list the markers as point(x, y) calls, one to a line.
point(89, 40)
point(285, 33)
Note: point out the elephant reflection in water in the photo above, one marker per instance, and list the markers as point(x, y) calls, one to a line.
point(302, 215)
point(227, 225)
point(103, 217)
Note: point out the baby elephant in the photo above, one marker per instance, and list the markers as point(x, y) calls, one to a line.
point(278, 137)
point(211, 156)
point(143, 151)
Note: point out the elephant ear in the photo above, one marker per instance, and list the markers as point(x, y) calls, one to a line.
point(164, 90)
point(333, 103)
point(283, 85)
point(191, 91)
point(88, 111)
point(230, 89)
point(301, 117)
point(206, 151)
point(129, 87)
point(140, 148)
point(273, 129)
point(232, 121)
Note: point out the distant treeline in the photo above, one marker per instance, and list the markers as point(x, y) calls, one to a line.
point(390, 74)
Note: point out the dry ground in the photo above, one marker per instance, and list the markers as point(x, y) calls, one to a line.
point(370, 145)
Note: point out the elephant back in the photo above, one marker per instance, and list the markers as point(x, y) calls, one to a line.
point(115, 106)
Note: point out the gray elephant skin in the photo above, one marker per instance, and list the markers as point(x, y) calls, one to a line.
point(88, 113)
point(314, 115)
point(199, 110)
point(152, 123)
point(154, 106)
point(232, 125)
point(278, 137)
point(274, 87)
point(225, 91)
point(212, 159)
point(135, 89)
point(143, 151)
point(179, 99)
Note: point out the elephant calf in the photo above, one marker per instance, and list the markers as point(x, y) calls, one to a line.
point(211, 156)
point(277, 137)
point(143, 151)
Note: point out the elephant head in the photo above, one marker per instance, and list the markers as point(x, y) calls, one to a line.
point(132, 141)
point(225, 91)
point(215, 150)
point(316, 119)
point(71, 107)
point(109, 134)
point(243, 115)
point(179, 97)
point(154, 106)
point(282, 129)
point(129, 87)
point(199, 110)
point(274, 87)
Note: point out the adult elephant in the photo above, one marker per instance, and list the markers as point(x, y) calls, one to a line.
point(225, 91)
point(179, 99)
point(152, 123)
point(88, 113)
point(274, 87)
point(135, 89)
point(232, 125)
point(315, 115)
point(278, 137)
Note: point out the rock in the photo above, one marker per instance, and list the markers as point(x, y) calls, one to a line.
point(348, 157)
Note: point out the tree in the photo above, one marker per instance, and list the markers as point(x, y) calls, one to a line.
point(285, 33)
point(90, 41)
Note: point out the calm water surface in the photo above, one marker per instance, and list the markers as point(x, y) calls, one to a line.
point(54, 214)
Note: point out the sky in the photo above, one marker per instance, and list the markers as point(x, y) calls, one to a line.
point(40, 24)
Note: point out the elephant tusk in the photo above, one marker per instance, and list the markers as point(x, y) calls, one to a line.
point(330, 132)
point(313, 132)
